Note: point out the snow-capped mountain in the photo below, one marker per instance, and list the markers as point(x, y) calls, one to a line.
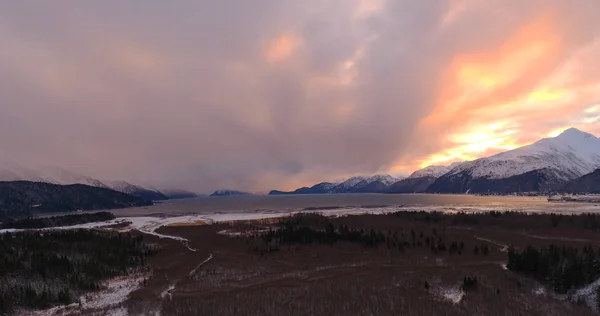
point(571, 154)
point(356, 184)
point(14, 172)
point(383, 178)
point(54, 175)
point(348, 184)
point(62, 176)
point(539, 166)
point(364, 184)
point(136, 190)
point(431, 171)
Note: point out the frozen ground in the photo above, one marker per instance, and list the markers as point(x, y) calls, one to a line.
point(587, 294)
point(451, 294)
point(108, 301)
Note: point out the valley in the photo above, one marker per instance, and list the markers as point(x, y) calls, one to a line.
point(418, 263)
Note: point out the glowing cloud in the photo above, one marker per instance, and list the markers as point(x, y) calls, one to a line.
point(282, 47)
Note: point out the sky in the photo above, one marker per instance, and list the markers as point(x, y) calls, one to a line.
point(277, 94)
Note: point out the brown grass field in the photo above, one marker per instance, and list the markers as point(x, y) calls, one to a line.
point(352, 279)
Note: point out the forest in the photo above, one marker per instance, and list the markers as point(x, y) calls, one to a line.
point(57, 221)
point(562, 268)
point(308, 228)
point(42, 269)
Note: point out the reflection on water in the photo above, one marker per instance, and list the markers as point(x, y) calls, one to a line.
point(393, 202)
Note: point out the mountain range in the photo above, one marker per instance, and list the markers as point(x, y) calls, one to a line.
point(543, 166)
point(357, 184)
point(24, 198)
point(12, 172)
point(567, 163)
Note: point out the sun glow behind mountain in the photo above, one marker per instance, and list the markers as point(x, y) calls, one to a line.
point(492, 99)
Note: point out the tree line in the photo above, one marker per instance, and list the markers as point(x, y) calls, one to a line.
point(309, 228)
point(57, 221)
point(562, 268)
point(43, 269)
point(588, 221)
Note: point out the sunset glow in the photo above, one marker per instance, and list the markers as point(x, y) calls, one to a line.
point(282, 48)
point(280, 94)
point(484, 89)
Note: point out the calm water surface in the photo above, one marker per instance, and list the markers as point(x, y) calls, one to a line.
point(286, 203)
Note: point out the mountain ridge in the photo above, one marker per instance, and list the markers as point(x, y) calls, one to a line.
point(548, 162)
point(24, 198)
point(542, 166)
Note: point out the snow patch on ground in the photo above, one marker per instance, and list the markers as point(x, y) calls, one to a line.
point(116, 292)
point(108, 301)
point(452, 294)
point(587, 294)
point(539, 291)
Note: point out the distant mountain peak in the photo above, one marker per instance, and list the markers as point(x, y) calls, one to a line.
point(429, 171)
point(573, 134)
point(538, 166)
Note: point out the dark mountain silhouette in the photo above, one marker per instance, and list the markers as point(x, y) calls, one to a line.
point(589, 183)
point(24, 198)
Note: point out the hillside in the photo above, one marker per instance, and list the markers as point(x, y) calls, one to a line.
point(136, 190)
point(589, 183)
point(411, 185)
point(23, 198)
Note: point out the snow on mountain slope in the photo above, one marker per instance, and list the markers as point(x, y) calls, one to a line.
point(384, 178)
point(430, 171)
point(348, 184)
point(123, 186)
point(327, 185)
point(569, 155)
point(150, 194)
point(9, 172)
point(14, 172)
point(62, 176)
point(353, 181)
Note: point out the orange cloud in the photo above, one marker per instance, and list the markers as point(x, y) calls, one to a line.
point(482, 90)
point(476, 80)
point(282, 47)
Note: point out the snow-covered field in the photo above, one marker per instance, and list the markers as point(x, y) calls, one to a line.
point(451, 294)
point(108, 301)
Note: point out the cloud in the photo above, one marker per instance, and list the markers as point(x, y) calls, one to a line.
point(266, 94)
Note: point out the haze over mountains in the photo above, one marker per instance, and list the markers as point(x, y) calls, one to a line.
point(550, 164)
point(566, 163)
point(25, 198)
point(53, 175)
